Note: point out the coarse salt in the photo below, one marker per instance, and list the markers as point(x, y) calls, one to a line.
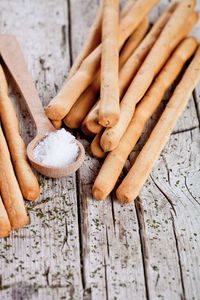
point(57, 149)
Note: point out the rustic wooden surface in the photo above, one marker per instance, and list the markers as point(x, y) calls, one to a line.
point(75, 247)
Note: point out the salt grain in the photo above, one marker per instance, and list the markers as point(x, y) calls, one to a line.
point(57, 149)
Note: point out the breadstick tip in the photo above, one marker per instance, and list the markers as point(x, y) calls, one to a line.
point(97, 193)
point(32, 194)
point(52, 113)
point(195, 16)
point(109, 119)
point(5, 229)
point(123, 198)
point(107, 141)
point(5, 233)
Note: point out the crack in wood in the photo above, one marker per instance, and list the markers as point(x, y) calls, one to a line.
point(1, 282)
point(43, 69)
point(179, 258)
point(65, 241)
point(69, 32)
point(46, 274)
point(196, 100)
point(166, 197)
point(143, 242)
point(184, 130)
point(158, 276)
point(77, 173)
point(107, 242)
point(83, 280)
point(166, 166)
point(106, 279)
point(190, 192)
point(80, 230)
point(56, 87)
point(63, 41)
point(113, 213)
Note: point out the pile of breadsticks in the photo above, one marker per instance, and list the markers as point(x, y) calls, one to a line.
point(16, 177)
point(132, 69)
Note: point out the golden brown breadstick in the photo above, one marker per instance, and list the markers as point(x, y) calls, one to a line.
point(56, 124)
point(92, 40)
point(175, 30)
point(116, 159)
point(80, 109)
point(130, 186)
point(96, 148)
point(84, 103)
point(127, 7)
point(59, 107)
point(27, 180)
point(138, 11)
point(133, 41)
point(132, 65)
point(109, 93)
point(91, 120)
point(9, 188)
point(85, 130)
point(73, 88)
point(5, 227)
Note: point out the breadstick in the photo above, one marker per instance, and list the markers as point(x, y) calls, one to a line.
point(127, 7)
point(92, 40)
point(27, 181)
point(91, 120)
point(175, 30)
point(138, 11)
point(84, 103)
point(130, 186)
point(96, 148)
point(130, 68)
point(9, 188)
point(5, 227)
point(116, 159)
point(80, 109)
point(59, 107)
point(56, 124)
point(133, 41)
point(85, 130)
point(109, 100)
point(73, 88)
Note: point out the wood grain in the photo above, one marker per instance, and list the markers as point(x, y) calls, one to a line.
point(76, 247)
point(42, 260)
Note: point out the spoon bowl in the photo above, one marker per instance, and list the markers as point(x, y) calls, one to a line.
point(50, 171)
point(13, 58)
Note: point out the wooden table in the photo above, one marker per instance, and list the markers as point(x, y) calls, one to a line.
point(74, 246)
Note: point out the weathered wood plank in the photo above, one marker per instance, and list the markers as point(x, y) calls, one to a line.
point(42, 261)
point(170, 212)
point(146, 250)
point(171, 215)
point(111, 247)
point(112, 254)
point(151, 225)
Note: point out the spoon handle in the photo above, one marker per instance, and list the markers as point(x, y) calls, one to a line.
point(13, 57)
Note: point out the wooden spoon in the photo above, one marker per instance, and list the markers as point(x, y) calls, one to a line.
point(14, 60)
